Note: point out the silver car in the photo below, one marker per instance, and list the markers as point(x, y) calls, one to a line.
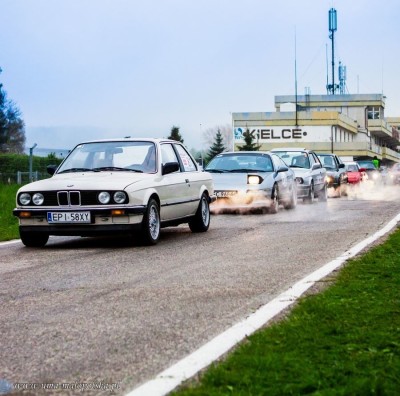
point(252, 179)
point(310, 174)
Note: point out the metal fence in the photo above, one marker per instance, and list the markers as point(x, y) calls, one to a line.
point(21, 177)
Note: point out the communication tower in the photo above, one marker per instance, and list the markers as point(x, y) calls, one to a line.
point(331, 88)
point(342, 79)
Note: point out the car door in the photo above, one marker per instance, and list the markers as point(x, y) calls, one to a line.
point(173, 190)
point(282, 178)
point(192, 178)
point(319, 173)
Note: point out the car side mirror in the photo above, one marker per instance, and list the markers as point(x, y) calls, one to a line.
point(282, 169)
point(51, 169)
point(170, 167)
point(341, 166)
point(316, 166)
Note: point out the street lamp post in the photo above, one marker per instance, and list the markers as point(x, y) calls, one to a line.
point(30, 161)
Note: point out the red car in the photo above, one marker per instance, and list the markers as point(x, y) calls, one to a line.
point(355, 174)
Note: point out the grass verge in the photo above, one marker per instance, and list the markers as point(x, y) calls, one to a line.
point(344, 340)
point(8, 222)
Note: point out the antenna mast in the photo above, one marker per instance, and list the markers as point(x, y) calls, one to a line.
point(331, 88)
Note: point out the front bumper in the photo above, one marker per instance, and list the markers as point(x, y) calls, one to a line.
point(102, 220)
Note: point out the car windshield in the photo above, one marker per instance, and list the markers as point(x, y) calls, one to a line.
point(294, 159)
point(352, 168)
point(127, 156)
point(367, 165)
point(328, 161)
point(240, 163)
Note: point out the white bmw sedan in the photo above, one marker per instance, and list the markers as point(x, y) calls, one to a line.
point(117, 186)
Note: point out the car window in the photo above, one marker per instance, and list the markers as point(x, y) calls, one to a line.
point(118, 155)
point(295, 159)
point(188, 163)
point(256, 162)
point(328, 161)
point(277, 161)
point(168, 154)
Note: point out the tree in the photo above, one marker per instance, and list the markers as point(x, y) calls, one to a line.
point(12, 127)
point(249, 144)
point(175, 134)
point(226, 132)
point(216, 148)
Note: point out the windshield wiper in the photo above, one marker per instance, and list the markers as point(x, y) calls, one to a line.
point(77, 170)
point(216, 170)
point(241, 170)
point(115, 168)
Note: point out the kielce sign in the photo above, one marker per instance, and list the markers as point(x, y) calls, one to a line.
point(313, 134)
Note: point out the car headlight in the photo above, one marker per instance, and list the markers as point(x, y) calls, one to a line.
point(329, 179)
point(299, 180)
point(38, 199)
point(104, 197)
point(25, 199)
point(254, 180)
point(119, 197)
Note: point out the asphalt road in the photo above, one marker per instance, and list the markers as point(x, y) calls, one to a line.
point(86, 310)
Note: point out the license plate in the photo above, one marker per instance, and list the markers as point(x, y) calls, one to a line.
point(225, 194)
point(68, 217)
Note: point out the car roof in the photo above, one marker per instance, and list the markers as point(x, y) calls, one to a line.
point(245, 152)
point(131, 139)
point(290, 149)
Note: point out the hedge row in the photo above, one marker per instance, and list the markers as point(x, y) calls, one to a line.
point(10, 164)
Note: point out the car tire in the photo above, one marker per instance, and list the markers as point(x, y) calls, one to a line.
point(33, 239)
point(311, 195)
point(201, 220)
point(274, 206)
point(292, 203)
point(151, 224)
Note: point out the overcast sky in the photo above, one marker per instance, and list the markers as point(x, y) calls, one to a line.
point(83, 69)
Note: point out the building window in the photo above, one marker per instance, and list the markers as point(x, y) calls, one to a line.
point(373, 113)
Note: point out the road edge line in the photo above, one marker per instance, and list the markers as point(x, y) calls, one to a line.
point(187, 367)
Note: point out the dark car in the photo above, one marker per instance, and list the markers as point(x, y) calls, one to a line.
point(373, 174)
point(336, 175)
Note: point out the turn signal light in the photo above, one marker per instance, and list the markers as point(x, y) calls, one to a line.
point(25, 214)
point(117, 212)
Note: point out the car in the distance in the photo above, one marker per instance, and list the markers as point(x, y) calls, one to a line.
point(251, 180)
point(116, 186)
point(310, 174)
point(355, 174)
point(336, 176)
point(373, 174)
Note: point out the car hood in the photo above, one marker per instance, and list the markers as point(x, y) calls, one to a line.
point(301, 172)
point(233, 181)
point(88, 181)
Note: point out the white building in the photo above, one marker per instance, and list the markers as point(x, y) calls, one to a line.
point(348, 125)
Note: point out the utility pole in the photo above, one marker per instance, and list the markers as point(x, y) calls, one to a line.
point(30, 161)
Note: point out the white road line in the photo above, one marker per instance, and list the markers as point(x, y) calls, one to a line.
point(186, 368)
point(12, 242)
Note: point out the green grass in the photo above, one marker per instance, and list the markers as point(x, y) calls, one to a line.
point(343, 341)
point(8, 222)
